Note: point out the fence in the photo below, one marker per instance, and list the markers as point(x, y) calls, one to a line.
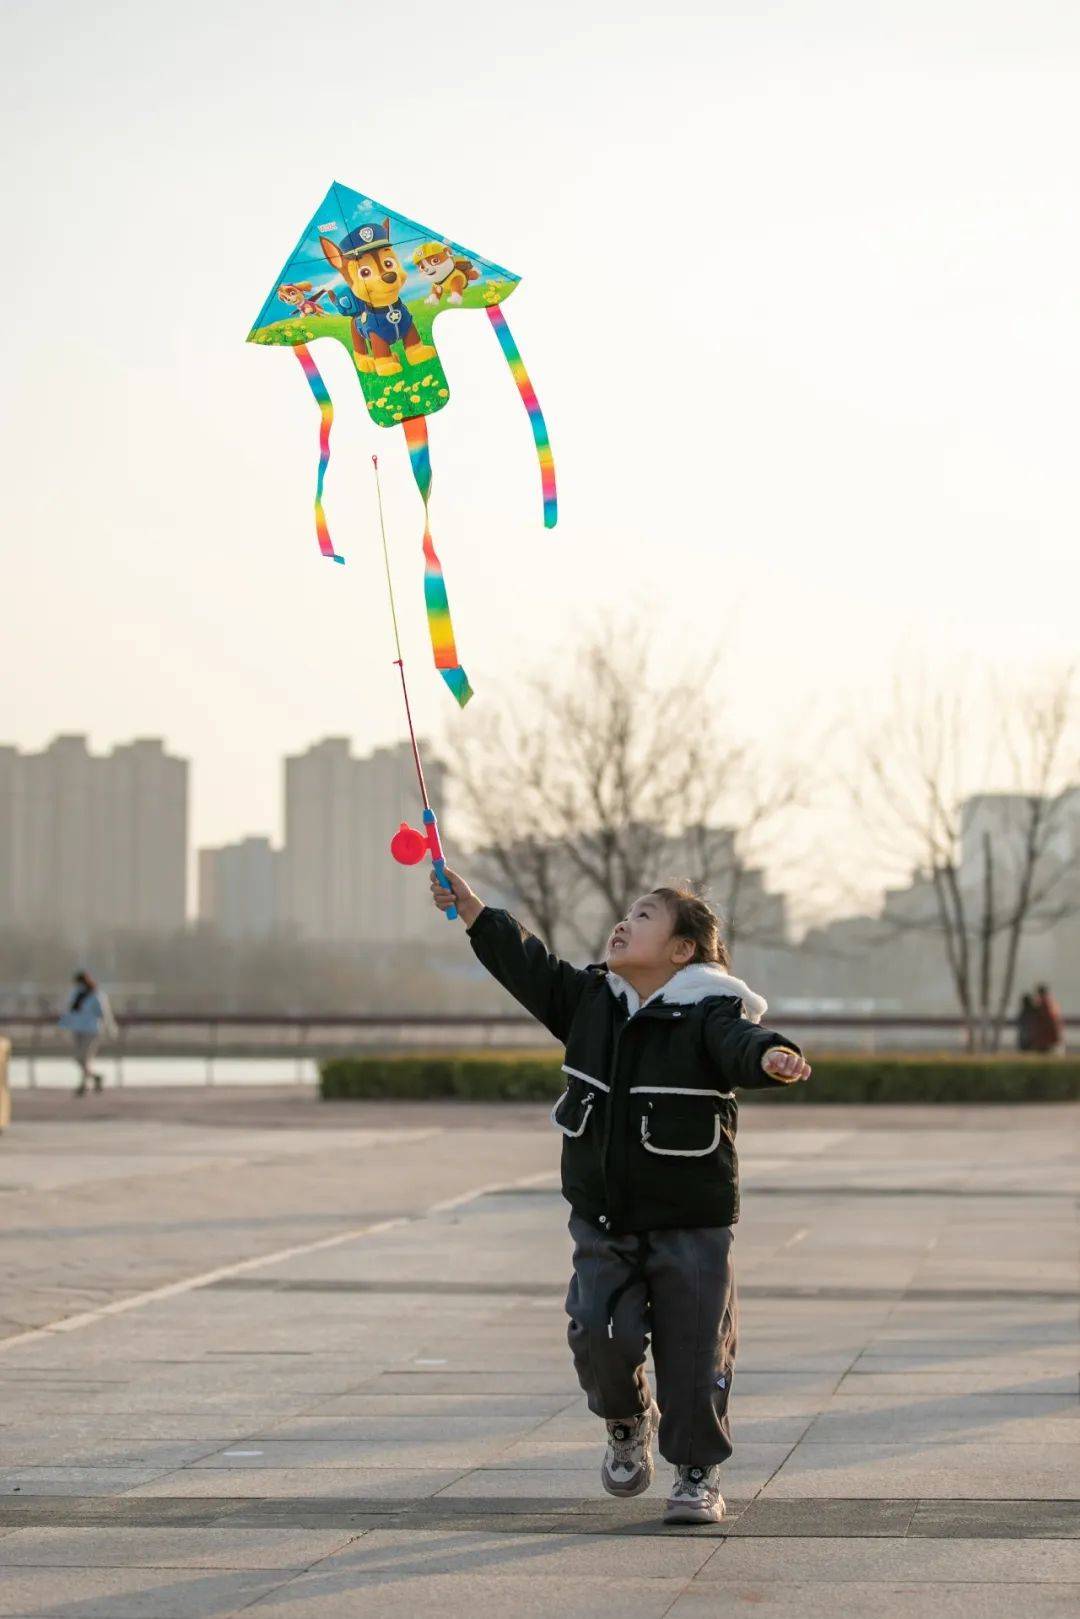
point(205, 1037)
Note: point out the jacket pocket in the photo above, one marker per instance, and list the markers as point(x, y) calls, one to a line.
point(573, 1110)
point(678, 1122)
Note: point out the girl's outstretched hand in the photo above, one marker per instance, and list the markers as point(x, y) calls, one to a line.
point(784, 1064)
point(459, 893)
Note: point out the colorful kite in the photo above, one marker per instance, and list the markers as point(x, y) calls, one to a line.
point(376, 280)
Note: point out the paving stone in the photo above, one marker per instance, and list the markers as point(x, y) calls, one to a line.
point(105, 1511)
point(1021, 1379)
point(1026, 1419)
point(298, 1482)
point(175, 1547)
point(131, 1593)
point(457, 1451)
point(325, 1594)
point(978, 1469)
point(73, 1480)
point(368, 1406)
point(847, 1517)
point(126, 1427)
point(557, 1382)
point(852, 1600)
point(468, 1428)
point(976, 1561)
point(570, 1557)
point(1008, 1520)
point(57, 1452)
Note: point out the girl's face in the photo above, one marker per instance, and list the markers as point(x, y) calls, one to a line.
point(643, 940)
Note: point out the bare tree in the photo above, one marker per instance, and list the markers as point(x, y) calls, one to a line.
point(968, 783)
point(605, 780)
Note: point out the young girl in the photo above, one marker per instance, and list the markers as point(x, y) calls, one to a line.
point(657, 1039)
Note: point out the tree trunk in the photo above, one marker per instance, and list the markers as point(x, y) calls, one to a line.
point(986, 947)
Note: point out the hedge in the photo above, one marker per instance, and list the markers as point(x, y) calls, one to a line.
point(536, 1077)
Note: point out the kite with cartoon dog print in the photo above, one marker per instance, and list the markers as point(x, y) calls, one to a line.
point(389, 279)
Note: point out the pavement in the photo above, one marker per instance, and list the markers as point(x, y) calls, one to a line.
point(261, 1355)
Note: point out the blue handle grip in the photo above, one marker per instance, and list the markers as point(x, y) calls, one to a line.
point(440, 872)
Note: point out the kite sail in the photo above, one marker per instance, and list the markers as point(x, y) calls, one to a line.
point(376, 280)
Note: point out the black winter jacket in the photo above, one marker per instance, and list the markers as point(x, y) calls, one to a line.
point(648, 1116)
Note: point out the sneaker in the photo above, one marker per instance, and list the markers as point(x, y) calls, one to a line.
point(628, 1461)
point(695, 1496)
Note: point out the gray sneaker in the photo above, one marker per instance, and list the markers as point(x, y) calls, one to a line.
point(628, 1461)
point(695, 1496)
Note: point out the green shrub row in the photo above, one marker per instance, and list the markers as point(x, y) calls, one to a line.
point(527, 1077)
point(498, 1078)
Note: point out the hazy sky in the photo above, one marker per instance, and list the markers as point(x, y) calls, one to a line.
point(800, 300)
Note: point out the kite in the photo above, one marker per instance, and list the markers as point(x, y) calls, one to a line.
point(376, 280)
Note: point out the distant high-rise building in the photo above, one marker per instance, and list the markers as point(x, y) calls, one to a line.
point(9, 763)
point(92, 843)
point(238, 888)
point(339, 880)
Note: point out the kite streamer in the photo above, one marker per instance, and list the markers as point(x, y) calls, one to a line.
point(326, 412)
point(440, 625)
point(536, 415)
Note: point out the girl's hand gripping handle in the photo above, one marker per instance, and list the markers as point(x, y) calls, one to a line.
point(456, 895)
point(431, 826)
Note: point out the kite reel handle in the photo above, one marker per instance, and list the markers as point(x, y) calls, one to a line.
point(408, 847)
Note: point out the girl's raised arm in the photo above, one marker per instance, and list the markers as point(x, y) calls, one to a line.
point(546, 987)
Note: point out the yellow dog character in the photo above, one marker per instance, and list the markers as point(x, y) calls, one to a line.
point(449, 276)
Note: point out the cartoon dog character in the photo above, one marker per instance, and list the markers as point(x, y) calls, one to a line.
point(449, 276)
point(300, 297)
point(374, 276)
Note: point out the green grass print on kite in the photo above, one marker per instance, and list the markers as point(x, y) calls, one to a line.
point(419, 389)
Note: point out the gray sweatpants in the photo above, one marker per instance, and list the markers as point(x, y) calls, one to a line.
point(85, 1051)
point(680, 1287)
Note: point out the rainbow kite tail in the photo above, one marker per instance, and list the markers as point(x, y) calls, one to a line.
point(440, 625)
point(326, 412)
point(536, 415)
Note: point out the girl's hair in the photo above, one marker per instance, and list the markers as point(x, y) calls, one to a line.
point(694, 919)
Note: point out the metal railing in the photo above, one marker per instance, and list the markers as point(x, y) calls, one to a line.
point(208, 1037)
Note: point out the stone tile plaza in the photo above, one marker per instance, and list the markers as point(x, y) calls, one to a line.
point(268, 1357)
point(540, 810)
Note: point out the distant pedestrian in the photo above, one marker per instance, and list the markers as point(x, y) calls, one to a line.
point(1049, 1024)
point(87, 1016)
point(1025, 1024)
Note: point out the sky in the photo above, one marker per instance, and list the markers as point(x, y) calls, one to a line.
point(799, 299)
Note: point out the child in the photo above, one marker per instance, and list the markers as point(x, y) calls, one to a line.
point(656, 1041)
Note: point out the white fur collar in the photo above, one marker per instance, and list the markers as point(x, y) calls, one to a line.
point(690, 985)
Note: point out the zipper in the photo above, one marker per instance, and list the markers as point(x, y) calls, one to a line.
point(659, 1013)
point(609, 1113)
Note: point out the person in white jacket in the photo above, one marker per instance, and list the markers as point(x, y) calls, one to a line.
point(88, 1016)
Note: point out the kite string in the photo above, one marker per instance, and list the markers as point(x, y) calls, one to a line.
point(399, 660)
